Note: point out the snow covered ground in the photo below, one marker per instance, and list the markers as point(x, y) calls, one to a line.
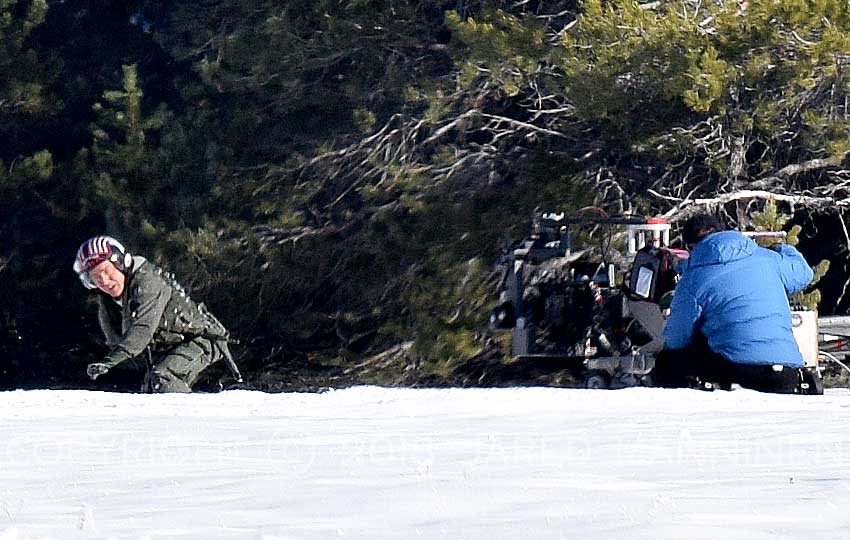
point(372, 463)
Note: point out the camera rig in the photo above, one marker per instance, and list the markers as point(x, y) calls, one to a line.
point(600, 306)
point(603, 308)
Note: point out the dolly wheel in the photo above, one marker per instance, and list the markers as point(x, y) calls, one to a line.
point(597, 380)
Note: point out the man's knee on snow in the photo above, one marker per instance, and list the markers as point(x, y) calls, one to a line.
point(163, 381)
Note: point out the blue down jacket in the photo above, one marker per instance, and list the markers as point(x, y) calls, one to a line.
point(735, 293)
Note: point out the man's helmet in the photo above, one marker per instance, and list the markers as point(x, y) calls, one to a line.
point(96, 250)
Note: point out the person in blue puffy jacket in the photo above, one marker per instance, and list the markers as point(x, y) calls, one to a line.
point(730, 320)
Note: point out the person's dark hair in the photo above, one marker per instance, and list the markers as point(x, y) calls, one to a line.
point(700, 226)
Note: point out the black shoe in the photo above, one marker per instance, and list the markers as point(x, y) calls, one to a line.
point(811, 383)
point(696, 383)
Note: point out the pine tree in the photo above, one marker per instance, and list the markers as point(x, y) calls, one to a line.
point(770, 219)
point(126, 169)
point(21, 91)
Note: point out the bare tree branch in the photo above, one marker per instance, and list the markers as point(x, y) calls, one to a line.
point(811, 165)
point(687, 207)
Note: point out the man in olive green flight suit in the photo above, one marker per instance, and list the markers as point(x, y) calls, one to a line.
point(146, 316)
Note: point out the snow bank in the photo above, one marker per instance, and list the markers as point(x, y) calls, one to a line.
point(376, 463)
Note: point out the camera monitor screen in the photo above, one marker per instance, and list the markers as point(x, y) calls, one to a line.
point(643, 286)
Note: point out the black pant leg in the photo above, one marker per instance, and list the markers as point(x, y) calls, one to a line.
point(766, 379)
point(676, 368)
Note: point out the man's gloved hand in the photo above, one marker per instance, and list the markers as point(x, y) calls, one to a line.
point(96, 370)
point(666, 300)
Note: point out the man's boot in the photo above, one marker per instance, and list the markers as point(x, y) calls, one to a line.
point(811, 383)
point(165, 382)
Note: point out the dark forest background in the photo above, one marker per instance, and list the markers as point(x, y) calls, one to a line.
point(336, 179)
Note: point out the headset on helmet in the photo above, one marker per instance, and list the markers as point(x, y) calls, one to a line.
point(96, 250)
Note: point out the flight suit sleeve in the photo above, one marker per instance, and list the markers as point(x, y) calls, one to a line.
point(111, 332)
point(147, 302)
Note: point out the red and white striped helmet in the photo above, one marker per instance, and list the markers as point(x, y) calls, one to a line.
point(96, 250)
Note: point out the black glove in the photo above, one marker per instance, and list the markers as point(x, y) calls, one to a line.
point(96, 370)
point(665, 300)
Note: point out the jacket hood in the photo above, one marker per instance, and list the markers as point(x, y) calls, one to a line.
point(722, 247)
